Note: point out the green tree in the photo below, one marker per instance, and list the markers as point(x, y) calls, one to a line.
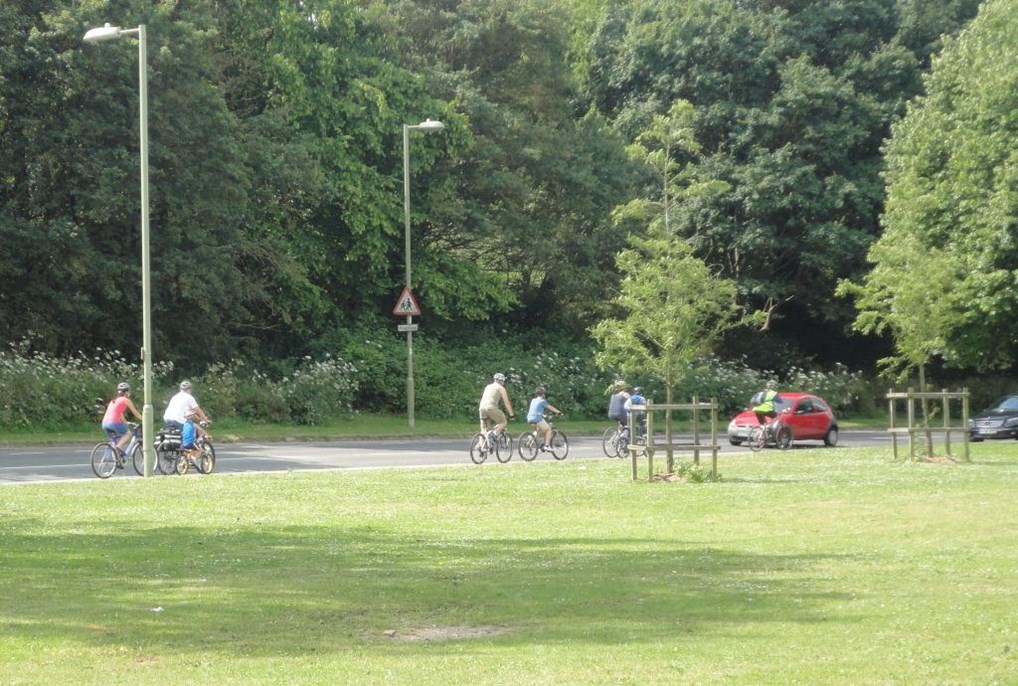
point(793, 100)
point(943, 278)
point(672, 307)
point(526, 236)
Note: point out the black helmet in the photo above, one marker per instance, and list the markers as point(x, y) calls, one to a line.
point(123, 387)
point(638, 390)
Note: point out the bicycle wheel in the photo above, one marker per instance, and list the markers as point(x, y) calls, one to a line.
point(104, 460)
point(165, 461)
point(610, 442)
point(528, 447)
point(622, 445)
point(783, 439)
point(182, 464)
point(479, 448)
point(138, 459)
point(757, 439)
point(559, 445)
point(207, 459)
point(504, 447)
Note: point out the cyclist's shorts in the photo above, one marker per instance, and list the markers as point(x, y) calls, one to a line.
point(623, 420)
point(493, 413)
point(187, 436)
point(119, 428)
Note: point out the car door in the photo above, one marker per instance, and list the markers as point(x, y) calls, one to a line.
point(803, 420)
point(814, 420)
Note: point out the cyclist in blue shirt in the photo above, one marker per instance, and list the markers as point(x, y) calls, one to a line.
point(535, 415)
point(639, 416)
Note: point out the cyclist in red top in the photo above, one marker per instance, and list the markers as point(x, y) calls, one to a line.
point(113, 420)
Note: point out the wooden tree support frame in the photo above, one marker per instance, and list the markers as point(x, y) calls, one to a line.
point(944, 398)
point(696, 446)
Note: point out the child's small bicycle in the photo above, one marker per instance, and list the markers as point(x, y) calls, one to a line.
point(532, 442)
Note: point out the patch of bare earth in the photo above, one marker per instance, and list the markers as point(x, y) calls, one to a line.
point(938, 459)
point(446, 633)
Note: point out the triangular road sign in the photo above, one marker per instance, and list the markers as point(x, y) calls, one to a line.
point(407, 305)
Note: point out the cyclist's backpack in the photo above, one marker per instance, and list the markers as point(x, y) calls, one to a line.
point(187, 436)
point(757, 399)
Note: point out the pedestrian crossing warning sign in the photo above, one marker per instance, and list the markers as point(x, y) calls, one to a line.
point(407, 305)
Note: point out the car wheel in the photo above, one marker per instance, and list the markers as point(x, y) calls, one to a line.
point(974, 439)
point(735, 441)
point(831, 439)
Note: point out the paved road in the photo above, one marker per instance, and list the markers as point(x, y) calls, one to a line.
point(64, 463)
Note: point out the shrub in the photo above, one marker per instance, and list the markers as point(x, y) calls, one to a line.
point(39, 390)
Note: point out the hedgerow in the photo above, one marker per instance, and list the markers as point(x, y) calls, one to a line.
point(367, 373)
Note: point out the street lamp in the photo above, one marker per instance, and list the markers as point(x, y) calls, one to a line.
point(427, 126)
point(99, 35)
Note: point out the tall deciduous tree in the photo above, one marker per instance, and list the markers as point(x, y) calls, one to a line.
point(793, 100)
point(944, 278)
point(672, 308)
point(527, 233)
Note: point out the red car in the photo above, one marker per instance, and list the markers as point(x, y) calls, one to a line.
point(809, 416)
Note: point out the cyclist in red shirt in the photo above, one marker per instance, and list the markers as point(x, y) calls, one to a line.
point(113, 420)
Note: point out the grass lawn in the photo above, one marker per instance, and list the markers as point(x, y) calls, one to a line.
point(809, 566)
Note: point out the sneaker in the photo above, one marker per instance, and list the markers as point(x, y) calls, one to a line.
point(546, 448)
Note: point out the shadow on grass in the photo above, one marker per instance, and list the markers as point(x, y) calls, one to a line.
point(296, 590)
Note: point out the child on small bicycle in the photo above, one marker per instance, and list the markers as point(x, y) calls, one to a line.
point(535, 415)
point(639, 416)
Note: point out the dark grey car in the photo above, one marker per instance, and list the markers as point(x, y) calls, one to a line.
point(997, 421)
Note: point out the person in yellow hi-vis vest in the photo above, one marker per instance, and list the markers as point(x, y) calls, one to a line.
point(763, 403)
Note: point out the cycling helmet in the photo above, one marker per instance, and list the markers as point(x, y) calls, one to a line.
point(123, 387)
point(638, 390)
point(185, 385)
point(499, 377)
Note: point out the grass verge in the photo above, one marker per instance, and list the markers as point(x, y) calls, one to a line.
point(804, 566)
point(359, 426)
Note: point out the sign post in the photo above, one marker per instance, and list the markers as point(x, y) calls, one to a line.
point(406, 305)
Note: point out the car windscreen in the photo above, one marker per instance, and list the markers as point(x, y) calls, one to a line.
point(1009, 403)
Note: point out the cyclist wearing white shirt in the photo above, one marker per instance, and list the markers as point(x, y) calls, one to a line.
point(182, 408)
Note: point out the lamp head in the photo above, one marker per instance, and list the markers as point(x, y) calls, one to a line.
point(430, 125)
point(103, 33)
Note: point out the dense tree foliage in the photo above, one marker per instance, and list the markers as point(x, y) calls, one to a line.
point(793, 100)
point(276, 162)
point(944, 271)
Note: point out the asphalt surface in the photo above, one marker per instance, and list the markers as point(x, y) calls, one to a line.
point(71, 462)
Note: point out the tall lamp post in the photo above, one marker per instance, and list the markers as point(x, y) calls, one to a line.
point(427, 125)
point(99, 35)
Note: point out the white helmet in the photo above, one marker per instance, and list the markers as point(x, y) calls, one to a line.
point(185, 385)
point(499, 377)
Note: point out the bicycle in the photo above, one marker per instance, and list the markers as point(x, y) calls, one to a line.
point(615, 440)
point(774, 432)
point(174, 459)
point(530, 443)
point(107, 457)
point(483, 444)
